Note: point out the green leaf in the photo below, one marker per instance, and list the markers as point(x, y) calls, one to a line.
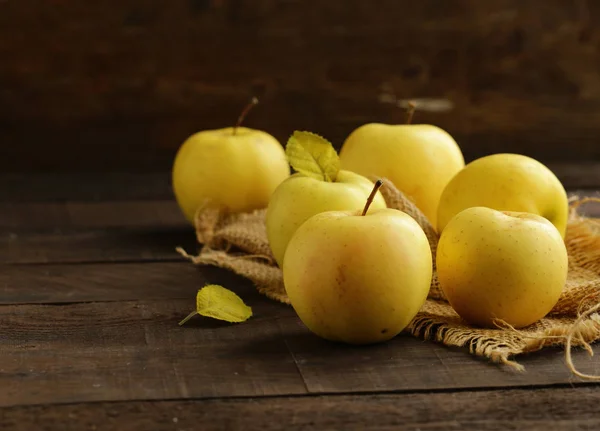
point(219, 303)
point(313, 156)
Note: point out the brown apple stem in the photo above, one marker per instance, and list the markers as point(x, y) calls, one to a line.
point(247, 109)
point(410, 111)
point(377, 186)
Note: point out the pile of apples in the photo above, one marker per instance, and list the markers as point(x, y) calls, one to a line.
point(358, 272)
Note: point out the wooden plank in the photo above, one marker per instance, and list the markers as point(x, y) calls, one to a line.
point(135, 350)
point(123, 186)
point(133, 214)
point(582, 175)
point(400, 364)
point(500, 75)
point(31, 216)
point(116, 245)
point(63, 217)
point(114, 231)
point(533, 410)
point(85, 186)
point(56, 284)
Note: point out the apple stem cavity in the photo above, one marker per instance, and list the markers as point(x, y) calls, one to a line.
point(377, 186)
point(247, 109)
point(410, 112)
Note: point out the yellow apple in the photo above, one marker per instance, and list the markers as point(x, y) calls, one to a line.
point(235, 168)
point(419, 159)
point(501, 265)
point(506, 182)
point(299, 197)
point(355, 278)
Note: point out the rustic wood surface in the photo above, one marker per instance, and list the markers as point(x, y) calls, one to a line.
point(514, 409)
point(91, 291)
point(120, 85)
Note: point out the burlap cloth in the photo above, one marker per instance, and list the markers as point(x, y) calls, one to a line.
point(238, 242)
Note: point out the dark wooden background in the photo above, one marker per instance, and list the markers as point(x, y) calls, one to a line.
point(118, 85)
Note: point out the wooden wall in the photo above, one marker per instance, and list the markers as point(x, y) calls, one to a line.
point(117, 85)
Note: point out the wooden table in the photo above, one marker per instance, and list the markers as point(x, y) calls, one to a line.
point(92, 291)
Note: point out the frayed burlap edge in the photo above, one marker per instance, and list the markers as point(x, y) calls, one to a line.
point(238, 242)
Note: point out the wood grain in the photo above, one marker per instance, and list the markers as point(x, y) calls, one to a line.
point(410, 364)
point(120, 86)
point(32, 216)
point(539, 410)
point(134, 350)
point(582, 175)
point(58, 284)
point(84, 246)
point(93, 231)
point(108, 231)
point(85, 186)
point(106, 333)
point(123, 186)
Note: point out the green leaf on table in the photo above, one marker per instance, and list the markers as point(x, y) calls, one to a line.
point(313, 156)
point(220, 303)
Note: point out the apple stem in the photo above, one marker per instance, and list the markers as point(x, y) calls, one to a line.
point(410, 111)
point(247, 109)
point(377, 186)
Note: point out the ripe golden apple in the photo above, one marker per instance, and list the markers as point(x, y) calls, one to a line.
point(235, 168)
point(501, 265)
point(419, 159)
point(506, 182)
point(299, 197)
point(355, 278)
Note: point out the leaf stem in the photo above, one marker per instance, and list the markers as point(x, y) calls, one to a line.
point(245, 111)
point(410, 111)
point(377, 186)
point(188, 317)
